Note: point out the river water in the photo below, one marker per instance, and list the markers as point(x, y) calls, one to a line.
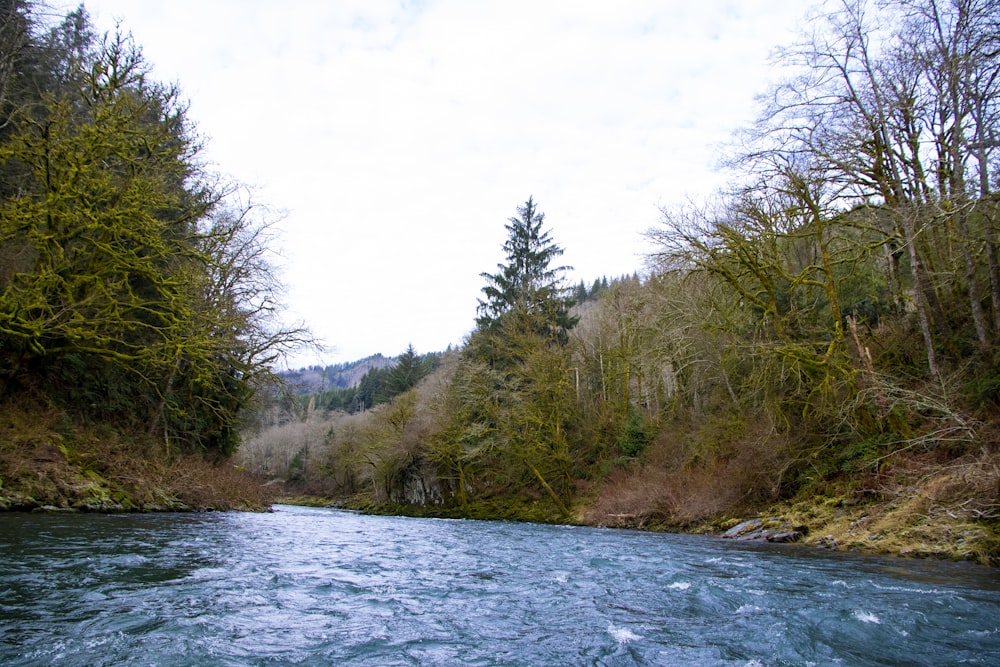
point(302, 586)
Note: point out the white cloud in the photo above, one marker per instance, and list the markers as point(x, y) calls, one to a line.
point(401, 136)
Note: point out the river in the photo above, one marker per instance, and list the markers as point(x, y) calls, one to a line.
point(301, 586)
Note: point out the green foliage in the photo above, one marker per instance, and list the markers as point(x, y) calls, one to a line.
point(410, 368)
point(635, 436)
point(132, 289)
point(297, 466)
point(983, 389)
point(379, 385)
point(582, 294)
point(862, 455)
point(511, 400)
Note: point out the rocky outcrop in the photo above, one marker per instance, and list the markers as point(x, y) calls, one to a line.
point(418, 484)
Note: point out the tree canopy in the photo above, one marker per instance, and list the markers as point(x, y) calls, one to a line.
point(134, 285)
point(826, 327)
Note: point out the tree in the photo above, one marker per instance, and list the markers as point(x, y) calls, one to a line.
point(133, 287)
point(527, 286)
point(101, 221)
point(512, 396)
point(410, 368)
point(225, 350)
point(15, 36)
point(893, 104)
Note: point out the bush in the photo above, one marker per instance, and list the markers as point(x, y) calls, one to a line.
point(635, 436)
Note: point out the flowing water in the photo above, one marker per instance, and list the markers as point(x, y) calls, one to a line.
point(303, 586)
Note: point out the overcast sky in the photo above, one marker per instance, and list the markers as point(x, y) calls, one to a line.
point(399, 137)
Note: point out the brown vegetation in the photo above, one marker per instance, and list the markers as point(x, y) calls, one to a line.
point(692, 476)
point(49, 462)
point(916, 506)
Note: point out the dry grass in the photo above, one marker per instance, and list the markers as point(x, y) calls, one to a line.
point(921, 507)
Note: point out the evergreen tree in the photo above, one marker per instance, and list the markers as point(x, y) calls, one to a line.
point(408, 371)
point(517, 404)
point(526, 286)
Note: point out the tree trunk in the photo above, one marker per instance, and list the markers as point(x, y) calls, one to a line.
point(555, 497)
point(972, 283)
point(919, 295)
point(989, 231)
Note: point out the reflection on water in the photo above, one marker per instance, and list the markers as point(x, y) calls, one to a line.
point(304, 586)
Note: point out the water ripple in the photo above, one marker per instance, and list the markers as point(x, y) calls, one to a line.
point(315, 587)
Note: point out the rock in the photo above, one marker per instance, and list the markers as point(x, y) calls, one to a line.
point(743, 528)
point(754, 536)
point(826, 542)
point(765, 530)
point(418, 485)
point(788, 536)
point(53, 508)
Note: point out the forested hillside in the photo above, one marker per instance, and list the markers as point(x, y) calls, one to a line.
point(137, 304)
point(819, 340)
point(317, 379)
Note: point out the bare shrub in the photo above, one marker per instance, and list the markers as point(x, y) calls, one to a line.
point(736, 485)
point(694, 476)
point(201, 484)
point(281, 449)
point(630, 497)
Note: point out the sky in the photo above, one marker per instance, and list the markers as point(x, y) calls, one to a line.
point(392, 141)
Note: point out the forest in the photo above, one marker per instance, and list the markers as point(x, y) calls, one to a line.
point(817, 340)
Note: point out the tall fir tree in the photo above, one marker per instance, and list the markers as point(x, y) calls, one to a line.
point(527, 286)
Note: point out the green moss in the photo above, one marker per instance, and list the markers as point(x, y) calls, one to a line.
point(981, 542)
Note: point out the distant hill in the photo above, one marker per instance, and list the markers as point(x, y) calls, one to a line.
point(315, 379)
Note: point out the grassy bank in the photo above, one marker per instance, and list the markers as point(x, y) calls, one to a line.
point(49, 462)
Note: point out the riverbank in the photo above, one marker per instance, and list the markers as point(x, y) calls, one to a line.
point(49, 463)
point(926, 504)
point(951, 514)
point(919, 508)
point(911, 527)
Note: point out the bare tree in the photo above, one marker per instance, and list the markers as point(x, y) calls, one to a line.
point(15, 35)
point(897, 103)
point(955, 45)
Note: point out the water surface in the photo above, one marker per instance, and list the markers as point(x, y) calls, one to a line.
point(304, 586)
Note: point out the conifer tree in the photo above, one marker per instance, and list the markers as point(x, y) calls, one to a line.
point(410, 368)
point(518, 407)
point(526, 286)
